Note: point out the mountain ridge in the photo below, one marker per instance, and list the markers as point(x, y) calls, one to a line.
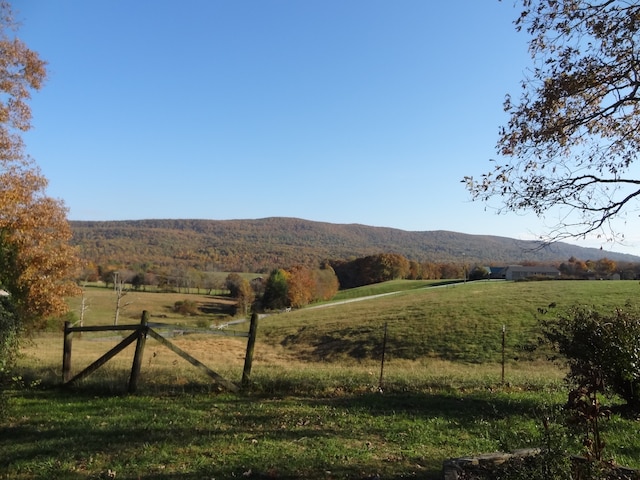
point(266, 243)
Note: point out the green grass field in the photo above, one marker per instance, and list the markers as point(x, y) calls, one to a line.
point(314, 409)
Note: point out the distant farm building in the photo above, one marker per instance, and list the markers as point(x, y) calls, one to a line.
point(496, 272)
point(517, 272)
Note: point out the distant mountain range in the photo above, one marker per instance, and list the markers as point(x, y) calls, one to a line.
point(262, 244)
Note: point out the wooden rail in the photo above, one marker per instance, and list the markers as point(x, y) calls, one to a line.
point(139, 335)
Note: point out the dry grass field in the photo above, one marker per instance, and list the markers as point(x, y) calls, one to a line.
point(275, 357)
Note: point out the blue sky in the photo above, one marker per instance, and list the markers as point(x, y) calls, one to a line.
point(358, 111)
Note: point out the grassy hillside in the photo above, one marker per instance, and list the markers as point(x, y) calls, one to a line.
point(260, 245)
point(461, 322)
point(455, 322)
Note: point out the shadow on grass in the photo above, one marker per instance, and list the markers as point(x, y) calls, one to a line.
point(250, 435)
point(172, 432)
point(459, 406)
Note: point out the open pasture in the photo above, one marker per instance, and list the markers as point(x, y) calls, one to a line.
point(457, 322)
point(100, 304)
point(315, 409)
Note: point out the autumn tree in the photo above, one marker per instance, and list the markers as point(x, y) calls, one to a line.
point(629, 270)
point(430, 271)
point(414, 270)
point(240, 289)
point(574, 132)
point(298, 286)
point(371, 269)
point(326, 283)
point(211, 283)
point(301, 286)
point(246, 297)
point(393, 266)
point(574, 268)
point(605, 267)
point(36, 260)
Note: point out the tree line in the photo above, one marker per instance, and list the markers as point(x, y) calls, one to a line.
point(357, 272)
point(301, 285)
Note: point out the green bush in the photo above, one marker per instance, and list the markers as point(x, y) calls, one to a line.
point(601, 349)
point(9, 343)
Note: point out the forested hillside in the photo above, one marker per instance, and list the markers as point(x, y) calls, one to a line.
point(260, 245)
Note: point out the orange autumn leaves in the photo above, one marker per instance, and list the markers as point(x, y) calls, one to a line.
point(36, 260)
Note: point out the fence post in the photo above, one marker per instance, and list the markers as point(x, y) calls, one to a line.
point(66, 353)
point(248, 359)
point(504, 331)
point(384, 350)
point(137, 358)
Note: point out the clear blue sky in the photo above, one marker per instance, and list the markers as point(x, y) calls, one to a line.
point(358, 111)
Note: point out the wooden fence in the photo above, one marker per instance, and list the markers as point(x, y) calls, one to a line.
point(139, 334)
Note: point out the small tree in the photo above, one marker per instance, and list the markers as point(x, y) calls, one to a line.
point(479, 273)
point(326, 282)
point(240, 289)
point(118, 283)
point(245, 297)
point(137, 281)
point(233, 283)
point(276, 290)
point(301, 286)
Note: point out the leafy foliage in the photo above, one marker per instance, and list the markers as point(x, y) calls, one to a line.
point(9, 329)
point(479, 273)
point(575, 131)
point(234, 282)
point(602, 350)
point(326, 283)
point(299, 286)
point(371, 269)
point(240, 289)
point(36, 261)
point(276, 290)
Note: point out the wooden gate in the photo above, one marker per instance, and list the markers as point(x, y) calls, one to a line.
point(139, 334)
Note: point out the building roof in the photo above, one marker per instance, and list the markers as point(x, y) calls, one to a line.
point(533, 269)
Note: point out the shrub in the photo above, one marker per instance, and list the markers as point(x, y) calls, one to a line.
point(186, 307)
point(602, 350)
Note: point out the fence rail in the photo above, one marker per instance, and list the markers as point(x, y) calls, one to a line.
point(139, 334)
